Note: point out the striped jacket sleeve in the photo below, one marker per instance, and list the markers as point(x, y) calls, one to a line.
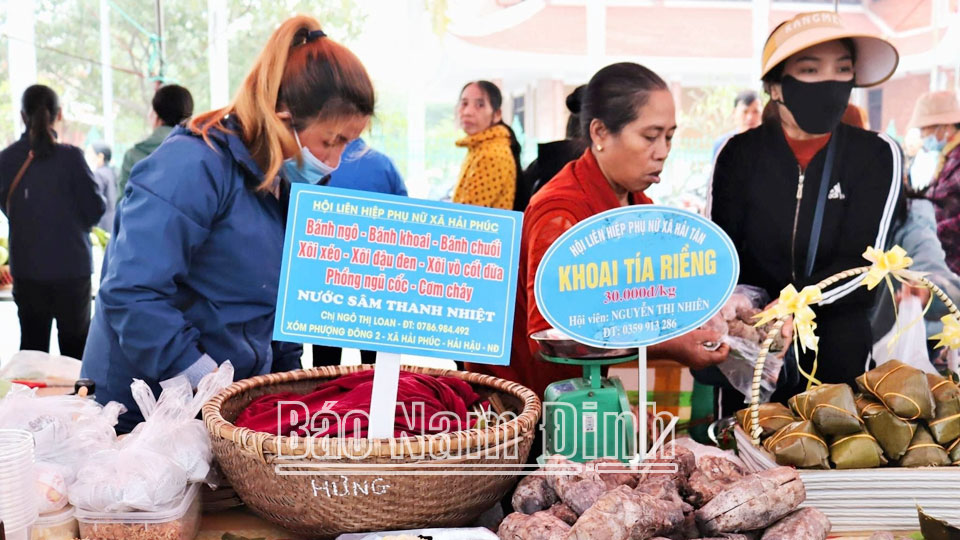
point(877, 201)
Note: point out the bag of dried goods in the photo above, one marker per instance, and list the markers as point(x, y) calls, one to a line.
point(903, 389)
point(799, 445)
point(831, 407)
point(945, 427)
point(892, 432)
point(924, 452)
point(772, 417)
point(857, 451)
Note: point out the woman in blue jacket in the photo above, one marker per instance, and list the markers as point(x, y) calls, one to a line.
point(191, 277)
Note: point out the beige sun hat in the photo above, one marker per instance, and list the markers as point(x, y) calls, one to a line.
point(876, 61)
point(935, 108)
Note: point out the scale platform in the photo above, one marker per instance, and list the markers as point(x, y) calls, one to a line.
point(589, 417)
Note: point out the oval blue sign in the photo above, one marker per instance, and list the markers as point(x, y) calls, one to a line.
point(636, 276)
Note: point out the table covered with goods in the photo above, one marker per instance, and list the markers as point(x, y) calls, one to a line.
point(177, 477)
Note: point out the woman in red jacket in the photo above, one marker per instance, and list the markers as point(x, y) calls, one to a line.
point(628, 114)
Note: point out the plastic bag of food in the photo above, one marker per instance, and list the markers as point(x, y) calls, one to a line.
point(910, 333)
point(128, 479)
point(745, 340)
point(38, 366)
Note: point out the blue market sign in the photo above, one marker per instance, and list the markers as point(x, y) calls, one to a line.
point(394, 274)
point(636, 276)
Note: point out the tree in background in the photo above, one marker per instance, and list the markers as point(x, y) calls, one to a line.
point(68, 55)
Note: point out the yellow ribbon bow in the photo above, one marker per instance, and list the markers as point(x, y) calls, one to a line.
point(797, 305)
point(950, 336)
point(885, 264)
point(894, 262)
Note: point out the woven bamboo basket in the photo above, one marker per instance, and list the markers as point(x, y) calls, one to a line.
point(859, 499)
point(326, 487)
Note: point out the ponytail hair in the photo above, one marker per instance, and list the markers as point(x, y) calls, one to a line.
point(495, 97)
point(40, 107)
point(300, 70)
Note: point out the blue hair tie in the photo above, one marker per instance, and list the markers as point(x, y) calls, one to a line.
point(315, 35)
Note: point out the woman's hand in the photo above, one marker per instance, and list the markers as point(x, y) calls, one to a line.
point(689, 349)
point(5, 277)
point(907, 291)
point(786, 331)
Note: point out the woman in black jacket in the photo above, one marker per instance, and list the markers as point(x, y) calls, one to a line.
point(51, 200)
point(795, 219)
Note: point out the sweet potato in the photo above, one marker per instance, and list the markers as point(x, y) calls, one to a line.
point(538, 526)
point(533, 495)
point(753, 502)
point(624, 514)
point(804, 524)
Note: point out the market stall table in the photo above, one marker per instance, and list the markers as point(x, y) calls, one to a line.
point(242, 523)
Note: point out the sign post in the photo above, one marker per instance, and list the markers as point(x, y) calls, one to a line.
point(397, 275)
point(636, 276)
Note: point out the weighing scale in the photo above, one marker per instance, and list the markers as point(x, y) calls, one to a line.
point(589, 417)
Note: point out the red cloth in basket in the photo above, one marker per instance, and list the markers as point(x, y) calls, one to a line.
point(426, 405)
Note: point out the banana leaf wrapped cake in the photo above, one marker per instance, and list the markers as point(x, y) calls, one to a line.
point(954, 451)
point(901, 388)
point(857, 451)
point(771, 416)
point(831, 407)
point(945, 427)
point(924, 452)
point(892, 432)
point(800, 445)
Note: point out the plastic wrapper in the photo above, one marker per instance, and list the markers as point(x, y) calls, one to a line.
point(735, 322)
point(903, 389)
point(924, 452)
point(150, 469)
point(772, 417)
point(51, 487)
point(910, 335)
point(38, 366)
point(66, 431)
point(130, 479)
point(857, 451)
point(799, 445)
point(892, 432)
point(945, 427)
point(831, 407)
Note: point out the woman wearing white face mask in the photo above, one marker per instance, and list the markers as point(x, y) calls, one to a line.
point(191, 277)
point(802, 196)
point(937, 114)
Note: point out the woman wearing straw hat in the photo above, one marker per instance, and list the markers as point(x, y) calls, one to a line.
point(803, 195)
point(937, 114)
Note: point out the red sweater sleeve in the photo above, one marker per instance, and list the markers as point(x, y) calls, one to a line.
point(542, 233)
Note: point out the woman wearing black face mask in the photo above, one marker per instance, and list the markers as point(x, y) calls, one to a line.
point(802, 196)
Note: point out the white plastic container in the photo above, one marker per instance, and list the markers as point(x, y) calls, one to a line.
point(18, 500)
point(181, 522)
point(61, 525)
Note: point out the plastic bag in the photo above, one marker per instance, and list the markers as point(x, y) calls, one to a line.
point(128, 479)
point(150, 468)
point(42, 367)
point(745, 342)
point(911, 347)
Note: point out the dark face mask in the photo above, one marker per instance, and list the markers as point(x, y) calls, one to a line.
point(817, 107)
